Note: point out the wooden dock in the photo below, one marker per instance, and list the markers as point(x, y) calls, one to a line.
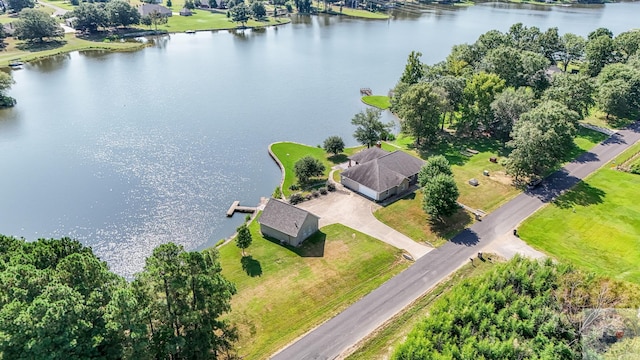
point(366, 91)
point(235, 207)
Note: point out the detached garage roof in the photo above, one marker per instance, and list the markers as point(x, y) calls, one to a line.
point(284, 217)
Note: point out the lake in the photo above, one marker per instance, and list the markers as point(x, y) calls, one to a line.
point(125, 151)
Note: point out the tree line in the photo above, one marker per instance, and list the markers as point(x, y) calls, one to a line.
point(504, 87)
point(59, 301)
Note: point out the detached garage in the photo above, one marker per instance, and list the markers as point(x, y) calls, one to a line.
point(287, 223)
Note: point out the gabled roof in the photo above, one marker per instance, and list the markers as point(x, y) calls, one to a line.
point(369, 154)
point(384, 172)
point(146, 9)
point(402, 163)
point(283, 217)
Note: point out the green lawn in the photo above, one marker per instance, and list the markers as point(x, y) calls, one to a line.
point(380, 344)
point(206, 20)
point(380, 101)
point(599, 118)
point(406, 216)
point(284, 292)
point(596, 226)
point(25, 52)
point(358, 13)
point(60, 3)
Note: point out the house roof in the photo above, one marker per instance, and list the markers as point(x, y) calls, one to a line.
point(369, 154)
point(185, 11)
point(146, 9)
point(384, 172)
point(283, 217)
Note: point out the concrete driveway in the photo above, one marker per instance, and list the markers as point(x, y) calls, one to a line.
point(356, 212)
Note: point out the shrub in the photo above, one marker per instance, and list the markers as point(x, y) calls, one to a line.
point(294, 187)
point(296, 198)
point(315, 194)
point(277, 193)
point(323, 190)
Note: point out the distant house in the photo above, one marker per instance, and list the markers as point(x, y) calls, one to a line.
point(552, 70)
point(203, 4)
point(185, 12)
point(287, 223)
point(379, 174)
point(146, 9)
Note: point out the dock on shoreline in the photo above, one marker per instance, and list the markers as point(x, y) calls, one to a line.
point(235, 207)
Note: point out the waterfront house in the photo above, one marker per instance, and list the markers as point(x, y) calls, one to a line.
point(287, 223)
point(146, 9)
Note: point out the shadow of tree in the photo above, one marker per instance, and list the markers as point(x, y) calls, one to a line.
point(454, 149)
point(467, 237)
point(582, 194)
point(451, 225)
point(338, 159)
point(41, 46)
point(251, 266)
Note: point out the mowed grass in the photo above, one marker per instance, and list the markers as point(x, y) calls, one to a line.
point(599, 118)
point(407, 216)
point(20, 50)
point(206, 20)
point(284, 292)
point(379, 101)
point(364, 14)
point(380, 344)
point(595, 226)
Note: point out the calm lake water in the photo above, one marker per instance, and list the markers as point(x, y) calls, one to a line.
point(125, 151)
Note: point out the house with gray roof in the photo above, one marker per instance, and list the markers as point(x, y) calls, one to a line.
point(287, 223)
point(379, 174)
point(146, 9)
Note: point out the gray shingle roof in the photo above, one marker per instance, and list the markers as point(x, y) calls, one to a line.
point(283, 217)
point(369, 154)
point(385, 172)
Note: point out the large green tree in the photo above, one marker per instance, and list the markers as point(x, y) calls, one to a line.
point(619, 90)
point(17, 5)
point(434, 166)
point(414, 70)
point(333, 144)
point(572, 49)
point(507, 108)
point(244, 238)
point(440, 196)
point(369, 127)
point(575, 91)
point(89, 17)
point(240, 13)
point(121, 13)
point(34, 25)
point(479, 92)
point(308, 167)
point(5, 84)
point(598, 53)
point(421, 110)
point(541, 140)
point(627, 43)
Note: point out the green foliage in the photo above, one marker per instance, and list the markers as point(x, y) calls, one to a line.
point(575, 91)
point(333, 144)
point(414, 70)
point(507, 108)
point(598, 53)
point(5, 84)
point(509, 313)
point(479, 92)
point(440, 195)
point(369, 127)
point(240, 13)
point(379, 101)
point(90, 16)
point(619, 90)
point(277, 193)
point(121, 13)
point(572, 48)
point(516, 67)
point(434, 166)
point(243, 240)
point(296, 198)
point(258, 10)
point(421, 109)
point(540, 139)
point(35, 25)
point(308, 167)
point(627, 43)
point(190, 4)
point(18, 5)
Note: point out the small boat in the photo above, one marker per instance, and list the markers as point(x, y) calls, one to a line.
point(190, 31)
point(16, 64)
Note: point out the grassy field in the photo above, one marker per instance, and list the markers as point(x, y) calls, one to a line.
point(380, 345)
point(24, 52)
point(406, 215)
point(599, 118)
point(364, 14)
point(284, 292)
point(595, 226)
point(380, 101)
point(206, 20)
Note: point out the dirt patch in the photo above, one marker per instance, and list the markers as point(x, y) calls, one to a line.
point(501, 177)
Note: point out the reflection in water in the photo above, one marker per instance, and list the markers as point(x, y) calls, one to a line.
point(51, 63)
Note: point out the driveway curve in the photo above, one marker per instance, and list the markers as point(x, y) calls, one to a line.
point(356, 212)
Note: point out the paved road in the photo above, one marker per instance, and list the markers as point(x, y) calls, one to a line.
point(343, 331)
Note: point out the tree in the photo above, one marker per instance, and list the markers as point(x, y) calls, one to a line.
point(240, 13)
point(190, 4)
point(479, 92)
point(5, 84)
point(574, 91)
point(550, 44)
point(414, 70)
point(454, 90)
point(18, 5)
point(507, 108)
point(120, 13)
point(600, 32)
point(434, 166)
point(258, 10)
point(369, 127)
point(89, 17)
point(541, 139)
point(35, 25)
point(627, 43)
point(333, 144)
point(525, 38)
point(243, 239)
point(516, 67)
point(440, 195)
point(421, 109)
point(619, 90)
point(488, 41)
point(598, 53)
point(308, 167)
point(155, 18)
point(572, 49)
point(169, 3)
